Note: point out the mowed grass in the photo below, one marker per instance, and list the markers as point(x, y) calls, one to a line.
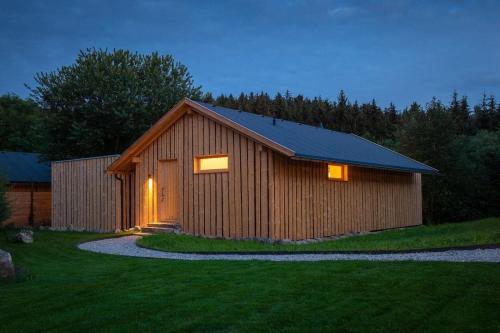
point(65, 289)
point(486, 231)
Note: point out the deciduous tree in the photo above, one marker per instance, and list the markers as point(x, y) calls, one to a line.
point(100, 104)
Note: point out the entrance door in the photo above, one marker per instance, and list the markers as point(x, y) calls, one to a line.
point(168, 197)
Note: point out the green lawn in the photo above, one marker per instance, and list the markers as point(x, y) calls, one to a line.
point(66, 289)
point(479, 232)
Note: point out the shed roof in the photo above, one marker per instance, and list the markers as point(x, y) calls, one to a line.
point(316, 143)
point(295, 140)
point(24, 167)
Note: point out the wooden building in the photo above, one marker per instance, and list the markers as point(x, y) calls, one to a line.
point(28, 189)
point(85, 197)
point(225, 173)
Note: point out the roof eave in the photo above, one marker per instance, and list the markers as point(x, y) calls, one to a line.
point(431, 171)
point(122, 164)
point(365, 165)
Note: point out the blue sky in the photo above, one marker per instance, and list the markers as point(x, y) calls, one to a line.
point(397, 51)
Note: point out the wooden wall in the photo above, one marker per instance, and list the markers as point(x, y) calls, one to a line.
point(309, 205)
point(84, 197)
point(21, 197)
point(218, 204)
point(266, 195)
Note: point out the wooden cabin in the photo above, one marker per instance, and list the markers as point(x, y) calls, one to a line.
point(28, 189)
point(221, 172)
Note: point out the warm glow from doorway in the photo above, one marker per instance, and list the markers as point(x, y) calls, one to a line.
point(337, 172)
point(211, 164)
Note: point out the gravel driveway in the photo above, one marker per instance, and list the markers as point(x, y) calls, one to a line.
point(126, 246)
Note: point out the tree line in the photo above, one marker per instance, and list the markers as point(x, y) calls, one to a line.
point(105, 100)
point(461, 141)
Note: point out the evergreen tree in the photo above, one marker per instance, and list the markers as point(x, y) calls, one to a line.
point(352, 119)
point(279, 107)
point(484, 114)
point(460, 112)
point(373, 122)
point(207, 98)
point(339, 111)
point(491, 111)
point(428, 137)
point(392, 120)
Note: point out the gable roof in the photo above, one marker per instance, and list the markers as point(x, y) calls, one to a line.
point(295, 140)
point(24, 167)
point(316, 143)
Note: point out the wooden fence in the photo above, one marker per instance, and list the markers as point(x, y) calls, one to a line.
point(84, 197)
point(29, 203)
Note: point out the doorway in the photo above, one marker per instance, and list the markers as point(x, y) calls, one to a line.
point(168, 196)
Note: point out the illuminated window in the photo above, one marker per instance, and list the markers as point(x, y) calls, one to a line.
point(337, 172)
point(211, 164)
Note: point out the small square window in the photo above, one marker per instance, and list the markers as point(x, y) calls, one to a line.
point(337, 172)
point(204, 164)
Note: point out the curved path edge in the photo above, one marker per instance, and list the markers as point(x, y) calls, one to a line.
point(126, 246)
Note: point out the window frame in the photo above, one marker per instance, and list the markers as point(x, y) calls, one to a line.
point(196, 164)
point(345, 172)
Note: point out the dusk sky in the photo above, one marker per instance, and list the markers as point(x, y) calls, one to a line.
point(397, 51)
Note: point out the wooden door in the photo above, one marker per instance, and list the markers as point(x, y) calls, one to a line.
point(168, 196)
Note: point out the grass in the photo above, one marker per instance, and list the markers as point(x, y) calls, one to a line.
point(479, 232)
point(66, 289)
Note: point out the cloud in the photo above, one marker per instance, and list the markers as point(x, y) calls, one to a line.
point(342, 12)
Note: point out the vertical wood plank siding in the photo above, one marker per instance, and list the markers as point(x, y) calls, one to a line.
point(21, 197)
point(370, 200)
point(265, 194)
point(84, 197)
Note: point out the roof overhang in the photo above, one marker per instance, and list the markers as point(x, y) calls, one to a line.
point(127, 159)
point(365, 165)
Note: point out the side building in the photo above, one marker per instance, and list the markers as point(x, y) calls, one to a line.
point(28, 188)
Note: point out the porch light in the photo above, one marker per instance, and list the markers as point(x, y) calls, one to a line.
point(150, 183)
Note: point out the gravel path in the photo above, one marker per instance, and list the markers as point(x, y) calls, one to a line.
point(126, 246)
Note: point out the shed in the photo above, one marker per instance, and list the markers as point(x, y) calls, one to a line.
point(221, 172)
point(28, 188)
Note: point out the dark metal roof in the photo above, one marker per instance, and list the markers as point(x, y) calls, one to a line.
point(316, 143)
point(24, 167)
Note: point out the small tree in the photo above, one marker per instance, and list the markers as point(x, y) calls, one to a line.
point(4, 205)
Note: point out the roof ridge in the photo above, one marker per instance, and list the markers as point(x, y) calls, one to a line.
point(281, 119)
point(262, 137)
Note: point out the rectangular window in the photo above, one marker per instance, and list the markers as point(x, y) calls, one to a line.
point(337, 172)
point(204, 164)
